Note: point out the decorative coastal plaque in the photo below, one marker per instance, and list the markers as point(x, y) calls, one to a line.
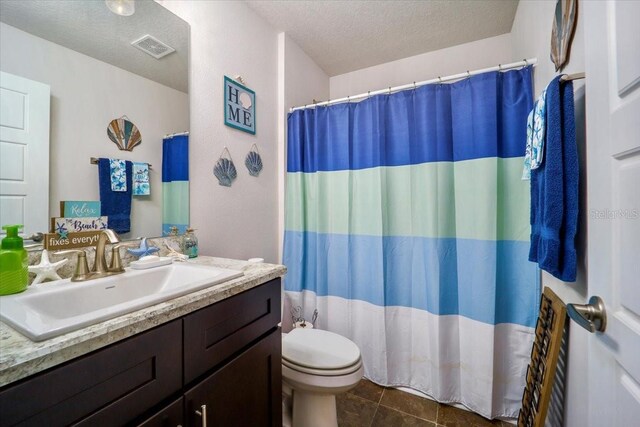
point(74, 225)
point(79, 209)
point(239, 106)
point(53, 241)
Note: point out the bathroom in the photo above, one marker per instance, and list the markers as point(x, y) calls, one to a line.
point(217, 349)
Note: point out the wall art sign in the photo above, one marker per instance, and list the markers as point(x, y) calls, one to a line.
point(239, 106)
point(53, 241)
point(74, 225)
point(79, 208)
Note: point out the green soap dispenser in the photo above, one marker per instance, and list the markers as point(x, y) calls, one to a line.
point(14, 262)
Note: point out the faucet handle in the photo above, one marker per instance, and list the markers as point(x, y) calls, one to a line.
point(82, 271)
point(116, 260)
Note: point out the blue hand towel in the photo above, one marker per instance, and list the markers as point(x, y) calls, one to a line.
point(116, 205)
point(554, 188)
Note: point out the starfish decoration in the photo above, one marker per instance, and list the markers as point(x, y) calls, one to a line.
point(143, 250)
point(62, 231)
point(46, 269)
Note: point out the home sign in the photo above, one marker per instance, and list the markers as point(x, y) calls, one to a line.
point(239, 106)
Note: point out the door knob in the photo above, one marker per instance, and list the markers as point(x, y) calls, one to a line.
point(592, 316)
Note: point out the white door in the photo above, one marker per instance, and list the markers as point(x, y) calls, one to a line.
point(24, 153)
point(612, 59)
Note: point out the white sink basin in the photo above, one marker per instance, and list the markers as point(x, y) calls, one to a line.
point(50, 309)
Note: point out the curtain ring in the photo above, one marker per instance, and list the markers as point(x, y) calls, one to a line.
point(468, 74)
point(348, 99)
point(525, 62)
point(368, 94)
point(389, 90)
point(499, 67)
point(439, 79)
point(414, 85)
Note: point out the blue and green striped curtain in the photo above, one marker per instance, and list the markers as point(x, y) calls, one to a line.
point(407, 227)
point(175, 183)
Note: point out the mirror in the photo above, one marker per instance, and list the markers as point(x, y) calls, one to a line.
point(83, 52)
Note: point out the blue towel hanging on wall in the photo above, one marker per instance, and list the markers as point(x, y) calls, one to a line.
point(115, 204)
point(554, 189)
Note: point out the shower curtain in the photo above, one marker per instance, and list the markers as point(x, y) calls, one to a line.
point(407, 227)
point(175, 183)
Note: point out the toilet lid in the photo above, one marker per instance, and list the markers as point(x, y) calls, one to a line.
point(317, 349)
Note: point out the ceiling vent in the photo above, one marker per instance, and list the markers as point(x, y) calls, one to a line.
point(153, 46)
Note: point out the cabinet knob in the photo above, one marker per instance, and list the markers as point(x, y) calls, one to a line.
point(203, 413)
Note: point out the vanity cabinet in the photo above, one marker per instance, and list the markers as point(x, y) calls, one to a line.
point(225, 356)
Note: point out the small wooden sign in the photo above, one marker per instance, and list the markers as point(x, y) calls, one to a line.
point(75, 225)
point(79, 209)
point(53, 241)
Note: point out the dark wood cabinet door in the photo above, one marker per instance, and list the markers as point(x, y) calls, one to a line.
point(109, 387)
point(247, 391)
point(171, 415)
point(215, 333)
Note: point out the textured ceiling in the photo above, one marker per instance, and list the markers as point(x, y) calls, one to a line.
point(90, 28)
point(343, 36)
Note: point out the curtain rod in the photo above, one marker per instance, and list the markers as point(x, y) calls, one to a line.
point(171, 135)
point(500, 67)
point(94, 161)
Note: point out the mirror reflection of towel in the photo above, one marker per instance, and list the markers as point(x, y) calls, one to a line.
point(141, 185)
point(115, 204)
point(118, 172)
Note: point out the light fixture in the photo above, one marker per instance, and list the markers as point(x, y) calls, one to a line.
point(121, 7)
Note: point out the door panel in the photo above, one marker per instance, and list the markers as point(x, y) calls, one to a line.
point(24, 153)
point(612, 37)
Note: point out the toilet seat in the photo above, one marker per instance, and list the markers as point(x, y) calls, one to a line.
point(320, 352)
point(323, 372)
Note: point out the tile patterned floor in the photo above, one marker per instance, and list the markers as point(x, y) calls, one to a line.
point(370, 405)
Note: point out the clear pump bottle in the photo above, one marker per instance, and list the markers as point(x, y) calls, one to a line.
point(190, 243)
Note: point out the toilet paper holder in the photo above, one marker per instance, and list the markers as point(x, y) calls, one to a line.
point(298, 319)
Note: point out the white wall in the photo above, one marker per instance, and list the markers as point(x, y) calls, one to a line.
point(453, 60)
point(228, 38)
point(86, 94)
point(531, 36)
point(301, 81)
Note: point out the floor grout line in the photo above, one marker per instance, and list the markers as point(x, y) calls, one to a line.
point(409, 414)
point(374, 415)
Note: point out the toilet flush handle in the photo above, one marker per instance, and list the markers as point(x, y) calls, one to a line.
point(203, 413)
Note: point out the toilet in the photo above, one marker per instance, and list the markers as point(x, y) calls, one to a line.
point(316, 366)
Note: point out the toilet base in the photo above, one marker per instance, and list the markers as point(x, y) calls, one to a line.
point(314, 409)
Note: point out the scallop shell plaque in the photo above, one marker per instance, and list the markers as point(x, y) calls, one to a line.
point(124, 134)
point(225, 171)
point(253, 162)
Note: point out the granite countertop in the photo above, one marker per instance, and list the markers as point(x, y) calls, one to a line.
point(21, 357)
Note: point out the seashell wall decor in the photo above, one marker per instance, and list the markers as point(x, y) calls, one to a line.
point(224, 169)
point(253, 161)
point(124, 133)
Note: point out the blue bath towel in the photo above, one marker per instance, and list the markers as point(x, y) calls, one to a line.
point(554, 189)
point(116, 205)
